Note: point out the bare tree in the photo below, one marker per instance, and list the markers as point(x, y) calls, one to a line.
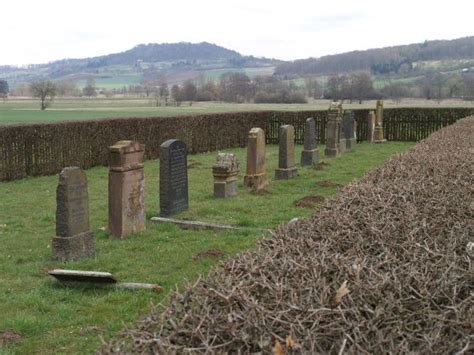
point(45, 90)
point(90, 89)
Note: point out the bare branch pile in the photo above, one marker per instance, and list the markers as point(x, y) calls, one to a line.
point(384, 267)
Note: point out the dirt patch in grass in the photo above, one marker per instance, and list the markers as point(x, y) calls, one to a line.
point(310, 201)
point(213, 253)
point(327, 183)
point(10, 336)
point(194, 164)
point(320, 165)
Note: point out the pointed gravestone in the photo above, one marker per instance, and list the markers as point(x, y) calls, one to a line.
point(333, 131)
point(379, 123)
point(371, 128)
point(173, 177)
point(126, 189)
point(225, 172)
point(286, 155)
point(349, 129)
point(310, 153)
point(73, 240)
point(256, 177)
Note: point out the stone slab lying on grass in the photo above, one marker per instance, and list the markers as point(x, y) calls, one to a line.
point(197, 225)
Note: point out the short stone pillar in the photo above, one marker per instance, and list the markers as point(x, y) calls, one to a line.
point(286, 154)
point(256, 177)
point(342, 139)
point(173, 177)
point(126, 189)
point(371, 127)
point(73, 240)
point(310, 153)
point(379, 123)
point(349, 129)
point(333, 131)
point(225, 172)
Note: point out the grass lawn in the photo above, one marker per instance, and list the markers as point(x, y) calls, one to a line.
point(27, 110)
point(57, 319)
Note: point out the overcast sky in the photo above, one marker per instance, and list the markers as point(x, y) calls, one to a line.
point(35, 31)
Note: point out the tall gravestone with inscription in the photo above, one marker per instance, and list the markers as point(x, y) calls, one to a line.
point(371, 127)
point(286, 154)
point(310, 153)
point(349, 129)
point(256, 176)
point(126, 189)
point(379, 138)
point(173, 177)
point(333, 131)
point(73, 240)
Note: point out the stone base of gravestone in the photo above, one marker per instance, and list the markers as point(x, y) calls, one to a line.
point(286, 174)
point(77, 247)
point(309, 157)
point(351, 143)
point(256, 182)
point(331, 152)
point(379, 135)
point(342, 145)
point(225, 188)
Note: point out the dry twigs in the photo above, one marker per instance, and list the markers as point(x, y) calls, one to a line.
point(399, 238)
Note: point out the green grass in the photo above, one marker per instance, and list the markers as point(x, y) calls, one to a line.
point(64, 320)
point(27, 110)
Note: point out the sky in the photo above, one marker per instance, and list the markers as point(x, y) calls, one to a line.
point(36, 32)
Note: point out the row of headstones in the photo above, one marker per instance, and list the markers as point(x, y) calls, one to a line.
point(74, 240)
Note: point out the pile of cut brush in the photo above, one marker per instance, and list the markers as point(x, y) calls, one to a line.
point(384, 267)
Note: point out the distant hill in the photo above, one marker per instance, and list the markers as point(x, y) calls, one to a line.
point(139, 62)
point(382, 60)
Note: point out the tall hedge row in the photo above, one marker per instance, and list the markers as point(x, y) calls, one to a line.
point(43, 149)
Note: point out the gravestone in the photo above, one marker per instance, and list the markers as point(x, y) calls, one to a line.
point(333, 131)
point(225, 172)
point(371, 127)
point(286, 154)
point(173, 177)
point(342, 139)
point(256, 177)
point(379, 123)
point(73, 240)
point(310, 153)
point(126, 189)
point(349, 129)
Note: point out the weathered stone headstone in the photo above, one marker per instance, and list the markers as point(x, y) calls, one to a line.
point(73, 240)
point(342, 139)
point(225, 172)
point(286, 155)
point(349, 129)
point(310, 153)
point(173, 177)
point(371, 127)
point(256, 176)
point(126, 189)
point(333, 131)
point(379, 123)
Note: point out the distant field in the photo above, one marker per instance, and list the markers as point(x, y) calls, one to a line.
point(27, 110)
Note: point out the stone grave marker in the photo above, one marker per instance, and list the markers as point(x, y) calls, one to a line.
point(73, 240)
point(371, 127)
point(286, 154)
point(126, 189)
point(310, 153)
point(225, 172)
point(256, 177)
point(173, 177)
point(379, 123)
point(333, 131)
point(349, 129)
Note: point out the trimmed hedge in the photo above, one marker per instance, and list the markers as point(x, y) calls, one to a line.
point(44, 149)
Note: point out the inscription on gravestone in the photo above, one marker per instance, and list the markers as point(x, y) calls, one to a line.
point(173, 177)
point(73, 240)
point(310, 153)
